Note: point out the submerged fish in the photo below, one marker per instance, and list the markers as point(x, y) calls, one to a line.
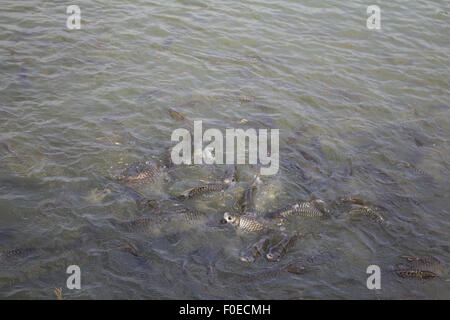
point(166, 220)
point(231, 175)
point(127, 247)
point(421, 268)
point(140, 173)
point(209, 188)
point(280, 249)
point(246, 223)
point(179, 116)
point(371, 212)
point(416, 171)
point(19, 253)
point(294, 267)
point(304, 209)
point(203, 190)
point(8, 147)
point(353, 199)
point(255, 250)
point(249, 197)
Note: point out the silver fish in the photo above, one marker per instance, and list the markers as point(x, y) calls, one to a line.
point(304, 209)
point(421, 268)
point(246, 223)
point(371, 212)
point(140, 173)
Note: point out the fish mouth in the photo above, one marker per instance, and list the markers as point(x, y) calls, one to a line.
point(223, 221)
point(247, 259)
point(273, 257)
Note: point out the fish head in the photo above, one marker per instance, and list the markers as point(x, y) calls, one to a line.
point(230, 218)
point(296, 269)
point(247, 258)
point(273, 256)
point(231, 176)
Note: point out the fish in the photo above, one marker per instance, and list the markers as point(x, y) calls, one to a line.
point(207, 257)
point(348, 170)
point(416, 171)
point(176, 115)
point(203, 190)
point(139, 173)
point(213, 187)
point(292, 267)
point(249, 197)
point(371, 212)
point(19, 253)
point(145, 224)
point(255, 250)
point(164, 220)
point(127, 247)
point(304, 209)
point(308, 156)
point(8, 147)
point(421, 268)
point(231, 175)
point(354, 199)
point(280, 249)
point(246, 223)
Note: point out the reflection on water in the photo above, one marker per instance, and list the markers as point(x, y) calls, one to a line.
point(363, 117)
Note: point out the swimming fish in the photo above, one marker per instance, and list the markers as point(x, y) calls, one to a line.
point(280, 249)
point(19, 253)
point(246, 223)
point(421, 268)
point(294, 267)
point(371, 212)
point(304, 209)
point(179, 116)
point(203, 190)
point(249, 197)
point(209, 188)
point(167, 219)
point(255, 250)
point(140, 173)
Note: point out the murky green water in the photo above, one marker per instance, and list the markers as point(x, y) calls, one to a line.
point(76, 105)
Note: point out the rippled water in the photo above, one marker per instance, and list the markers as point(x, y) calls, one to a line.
point(78, 105)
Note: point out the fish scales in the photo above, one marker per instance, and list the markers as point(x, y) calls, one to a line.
point(422, 268)
point(203, 190)
point(367, 211)
point(304, 209)
point(18, 252)
point(246, 223)
point(140, 173)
